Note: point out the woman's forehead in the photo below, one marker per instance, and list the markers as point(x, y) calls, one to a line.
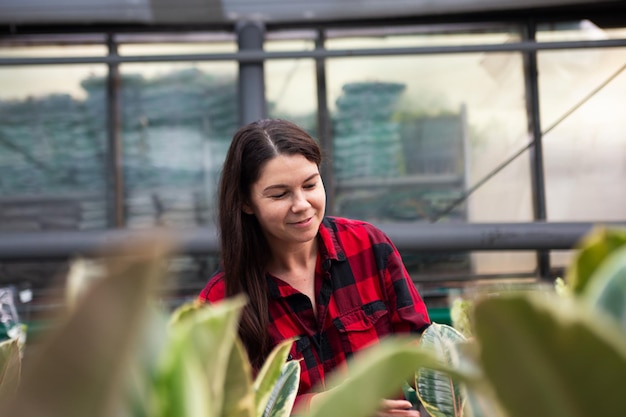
point(286, 169)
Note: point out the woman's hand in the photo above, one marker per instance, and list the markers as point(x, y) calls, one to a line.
point(397, 408)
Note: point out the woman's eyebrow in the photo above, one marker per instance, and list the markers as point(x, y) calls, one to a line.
point(280, 186)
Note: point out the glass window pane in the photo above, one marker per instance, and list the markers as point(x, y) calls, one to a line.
point(176, 45)
point(290, 84)
point(61, 51)
point(582, 96)
point(52, 148)
point(435, 125)
point(290, 88)
point(585, 147)
point(178, 120)
point(412, 36)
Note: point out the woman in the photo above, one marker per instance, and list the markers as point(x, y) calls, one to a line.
point(337, 284)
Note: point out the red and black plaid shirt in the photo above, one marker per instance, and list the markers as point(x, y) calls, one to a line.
point(364, 293)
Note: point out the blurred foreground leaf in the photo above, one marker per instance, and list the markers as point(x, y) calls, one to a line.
point(377, 373)
point(238, 393)
point(10, 365)
point(607, 289)
point(80, 367)
point(203, 336)
point(551, 358)
point(593, 250)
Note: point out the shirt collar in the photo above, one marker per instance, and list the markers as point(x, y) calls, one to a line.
point(329, 241)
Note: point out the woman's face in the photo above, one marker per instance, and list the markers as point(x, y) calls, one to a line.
point(288, 200)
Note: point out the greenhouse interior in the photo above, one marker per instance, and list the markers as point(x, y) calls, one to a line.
point(484, 137)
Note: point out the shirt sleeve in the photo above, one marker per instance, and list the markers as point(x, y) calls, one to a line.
point(214, 290)
point(408, 311)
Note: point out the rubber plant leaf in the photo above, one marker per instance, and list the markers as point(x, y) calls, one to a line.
point(205, 333)
point(551, 357)
point(376, 373)
point(283, 396)
point(480, 400)
point(269, 374)
point(593, 249)
point(10, 368)
point(607, 289)
point(238, 391)
point(440, 395)
point(81, 366)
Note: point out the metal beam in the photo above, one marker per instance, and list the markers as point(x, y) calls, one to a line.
point(259, 55)
point(444, 237)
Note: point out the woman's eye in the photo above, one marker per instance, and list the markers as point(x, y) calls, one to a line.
point(278, 196)
point(309, 186)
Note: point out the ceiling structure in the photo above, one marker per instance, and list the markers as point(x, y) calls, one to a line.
point(18, 14)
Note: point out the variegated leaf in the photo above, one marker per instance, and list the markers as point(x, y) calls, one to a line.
point(283, 396)
point(269, 374)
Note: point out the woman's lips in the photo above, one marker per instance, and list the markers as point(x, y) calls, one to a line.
point(304, 222)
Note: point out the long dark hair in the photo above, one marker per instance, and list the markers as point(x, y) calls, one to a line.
point(244, 249)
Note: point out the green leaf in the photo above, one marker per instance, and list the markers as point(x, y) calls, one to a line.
point(595, 247)
point(269, 374)
point(141, 393)
point(376, 373)
point(10, 368)
point(480, 400)
point(283, 396)
point(440, 395)
point(607, 290)
point(238, 392)
point(206, 332)
point(80, 368)
point(551, 357)
point(184, 389)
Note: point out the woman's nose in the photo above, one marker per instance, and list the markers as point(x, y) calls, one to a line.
point(300, 202)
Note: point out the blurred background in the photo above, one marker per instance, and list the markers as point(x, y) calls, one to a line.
point(484, 136)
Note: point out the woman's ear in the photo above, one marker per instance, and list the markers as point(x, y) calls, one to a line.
point(247, 209)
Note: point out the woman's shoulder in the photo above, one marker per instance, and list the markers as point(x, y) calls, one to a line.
point(215, 289)
point(343, 225)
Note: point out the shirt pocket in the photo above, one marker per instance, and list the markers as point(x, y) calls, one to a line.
point(358, 329)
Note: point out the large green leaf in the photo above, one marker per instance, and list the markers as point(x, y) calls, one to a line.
point(269, 374)
point(283, 395)
point(440, 395)
point(480, 400)
point(376, 373)
point(595, 247)
point(183, 389)
point(204, 334)
point(80, 368)
point(142, 396)
point(10, 368)
point(238, 392)
point(607, 290)
point(551, 357)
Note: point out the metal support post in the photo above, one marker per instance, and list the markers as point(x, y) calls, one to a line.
point(536, 151)
point(324, 134)
point(114, 170)
point(252, 106)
